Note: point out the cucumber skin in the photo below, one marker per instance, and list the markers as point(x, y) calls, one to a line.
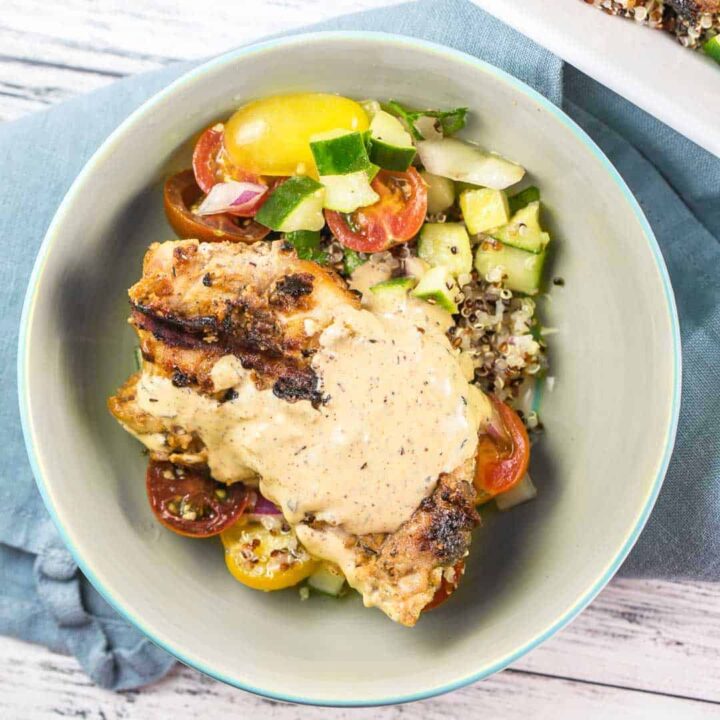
point(284, 199)
point(712, 48)
point(395, 285)
point(342, 155)
point(535, 241)
point(433, 286)
point(523, 198)
point(391, 295)
point(391, 157)
point(523, 269)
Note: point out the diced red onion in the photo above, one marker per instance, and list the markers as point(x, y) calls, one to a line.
point(264, 507)
point(232, 196)
point(495, 428)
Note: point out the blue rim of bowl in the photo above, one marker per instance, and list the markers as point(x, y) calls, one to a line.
point(604, 577)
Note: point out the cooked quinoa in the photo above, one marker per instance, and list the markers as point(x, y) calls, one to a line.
point(500, 333)
point(692, 22)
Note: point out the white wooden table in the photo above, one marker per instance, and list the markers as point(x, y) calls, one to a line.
point(643, 649)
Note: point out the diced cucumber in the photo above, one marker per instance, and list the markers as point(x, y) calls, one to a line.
point(339, 152)
point(523, 270)
point(391, 146)
point(346, 193)
point(307, 245)
point(712, 48)
point(523, 198)
point(370, 107)
point(388, 128)
point(388, 295)
point(464, 162)
point(440, 192)
point(395, 285)
point(446, 245)
point(438, 286)
point(524, 231)
point(296, 204)
point(520, 493)
point(327, 579)
point(483, 209)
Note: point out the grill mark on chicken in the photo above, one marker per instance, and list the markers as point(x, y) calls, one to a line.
point(451, 513)
point(180, 379)
point(291, 290)
point(294, 380)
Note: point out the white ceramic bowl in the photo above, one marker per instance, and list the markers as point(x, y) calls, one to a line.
point(610, 418)
point(638, 63)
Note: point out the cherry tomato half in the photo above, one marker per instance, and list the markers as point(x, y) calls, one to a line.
point(447, 587)
point(395, 218)
point(181, 192)
point(266, 555)
point(205, 157)
point(189, 502)
point(503, 453)
point(211, 163)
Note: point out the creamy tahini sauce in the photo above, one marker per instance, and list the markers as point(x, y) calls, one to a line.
point(398, 412)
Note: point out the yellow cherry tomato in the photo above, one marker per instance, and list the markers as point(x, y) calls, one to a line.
point(266, 556)
point(272, 136)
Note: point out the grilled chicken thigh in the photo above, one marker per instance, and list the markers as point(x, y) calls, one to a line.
point(199, 302)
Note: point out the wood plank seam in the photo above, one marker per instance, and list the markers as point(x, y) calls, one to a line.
point(598, 683)
point(62, 66)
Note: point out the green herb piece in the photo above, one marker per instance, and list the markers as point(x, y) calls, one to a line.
point(307, 245)
point(352, 260)
point(451, 121)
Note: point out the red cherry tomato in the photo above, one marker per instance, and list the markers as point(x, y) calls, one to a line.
point(181, 193)
point(503, 452)
point(211, 165)
point(395, 218)
point(447, 587)
point(189, 502)
point(207, 169)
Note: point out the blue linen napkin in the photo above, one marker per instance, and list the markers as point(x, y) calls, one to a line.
point(43, 597)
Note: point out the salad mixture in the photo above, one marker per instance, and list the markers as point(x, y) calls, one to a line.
point(694, 23)
point(339, 358)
